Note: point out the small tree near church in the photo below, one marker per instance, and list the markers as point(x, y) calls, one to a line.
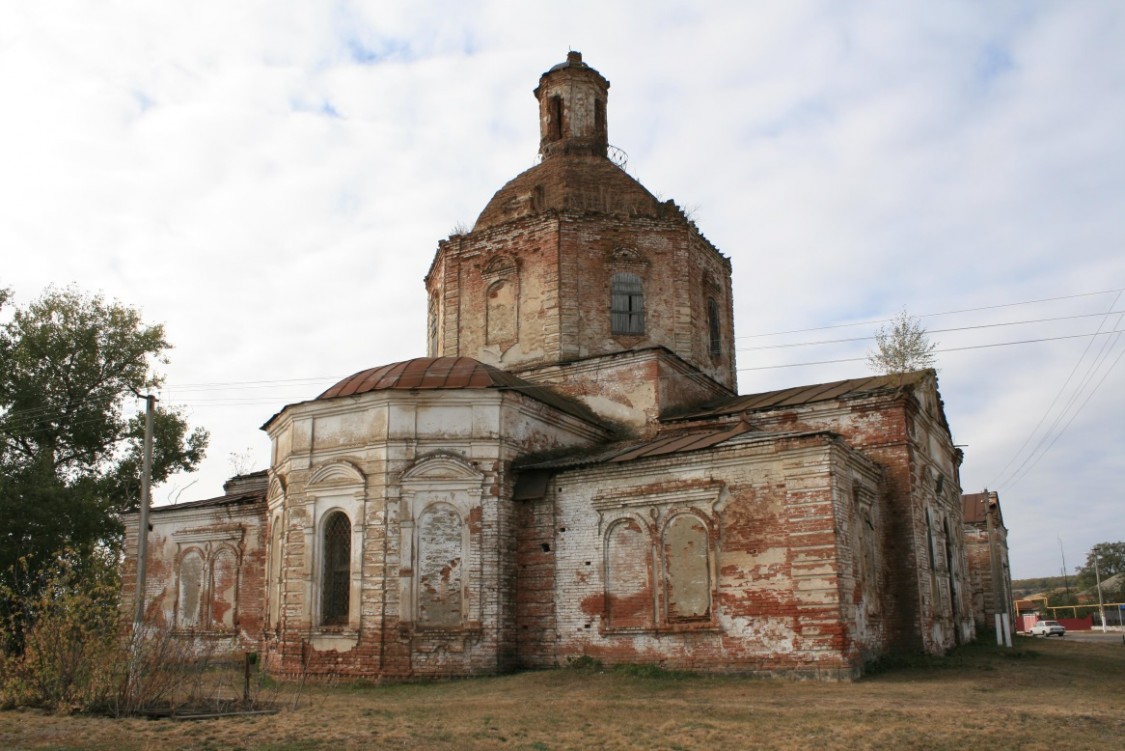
point(901, 346)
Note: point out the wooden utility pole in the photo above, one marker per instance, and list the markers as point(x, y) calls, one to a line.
point(142, 522)
point(1098, 579)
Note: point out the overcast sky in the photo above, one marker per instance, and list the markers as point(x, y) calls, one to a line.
point(270, 181)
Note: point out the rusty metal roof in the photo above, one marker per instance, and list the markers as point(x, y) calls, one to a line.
point(800, 395)
point(671, 442)
point(421, 373)
point(974, 507)
point(435, 373)
point(229, 499)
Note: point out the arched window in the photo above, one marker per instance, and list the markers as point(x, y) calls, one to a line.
point(224, 589)
point(336, 572)
point(930, 540)
point(713, 331)
point(687, 573)
point(949, 566)
point(628, 577)
point(627, 304)
point(556, 116)
point(440, 555)
point(500, 328)
point(191, 590)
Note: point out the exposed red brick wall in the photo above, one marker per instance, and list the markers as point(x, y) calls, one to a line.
point(896, 431)
point(230, 542)
point(564, 265)
point(988, 568)
point(777, 602)
point(535, 584)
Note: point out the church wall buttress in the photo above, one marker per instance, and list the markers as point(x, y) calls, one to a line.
point(685, 281)
point(451, 302)
point(569, 304)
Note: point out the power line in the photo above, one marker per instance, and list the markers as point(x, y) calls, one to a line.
point(171, 390)
point(934, 331)
point(937, 351)
point(1042, 446)
point(1073, 416)
point(932, 315)
point(1054, 401)
point(20, 418)
point(250, 384)
point(47, 411)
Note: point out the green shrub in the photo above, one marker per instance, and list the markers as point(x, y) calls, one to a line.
point(584, 662)
point(63, 646)
point(648, 670)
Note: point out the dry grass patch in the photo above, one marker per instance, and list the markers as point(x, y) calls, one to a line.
point(1040, 695)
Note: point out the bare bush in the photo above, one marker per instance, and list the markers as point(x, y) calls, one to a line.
point(163, 670)
point(68, 652)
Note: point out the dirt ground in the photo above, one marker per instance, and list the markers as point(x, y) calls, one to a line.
point(1043, 694)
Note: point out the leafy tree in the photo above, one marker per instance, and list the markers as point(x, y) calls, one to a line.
point(901, 347)
point(69, 456)
point(1111, 561)
point(1061, 597)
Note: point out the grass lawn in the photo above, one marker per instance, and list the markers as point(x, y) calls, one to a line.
point(1043, 694)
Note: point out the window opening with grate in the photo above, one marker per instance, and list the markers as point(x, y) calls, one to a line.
point(337, 570)
point(627, 304)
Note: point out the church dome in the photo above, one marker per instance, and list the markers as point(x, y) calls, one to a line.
point(424, 373)
point(590, 184)
point(575, 172)
point(432, 373)
point(574, 274)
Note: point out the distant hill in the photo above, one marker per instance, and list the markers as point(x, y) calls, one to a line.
point(1025, 587)
point(1113, 588)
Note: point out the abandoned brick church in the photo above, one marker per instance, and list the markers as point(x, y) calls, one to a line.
point(570, 470)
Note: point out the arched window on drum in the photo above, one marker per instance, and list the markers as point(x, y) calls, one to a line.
point(627, 304)
point(335, 579)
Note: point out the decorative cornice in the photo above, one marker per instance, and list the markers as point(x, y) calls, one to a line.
point(225, 533)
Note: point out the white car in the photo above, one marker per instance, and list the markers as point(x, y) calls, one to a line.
point(1048, 628)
